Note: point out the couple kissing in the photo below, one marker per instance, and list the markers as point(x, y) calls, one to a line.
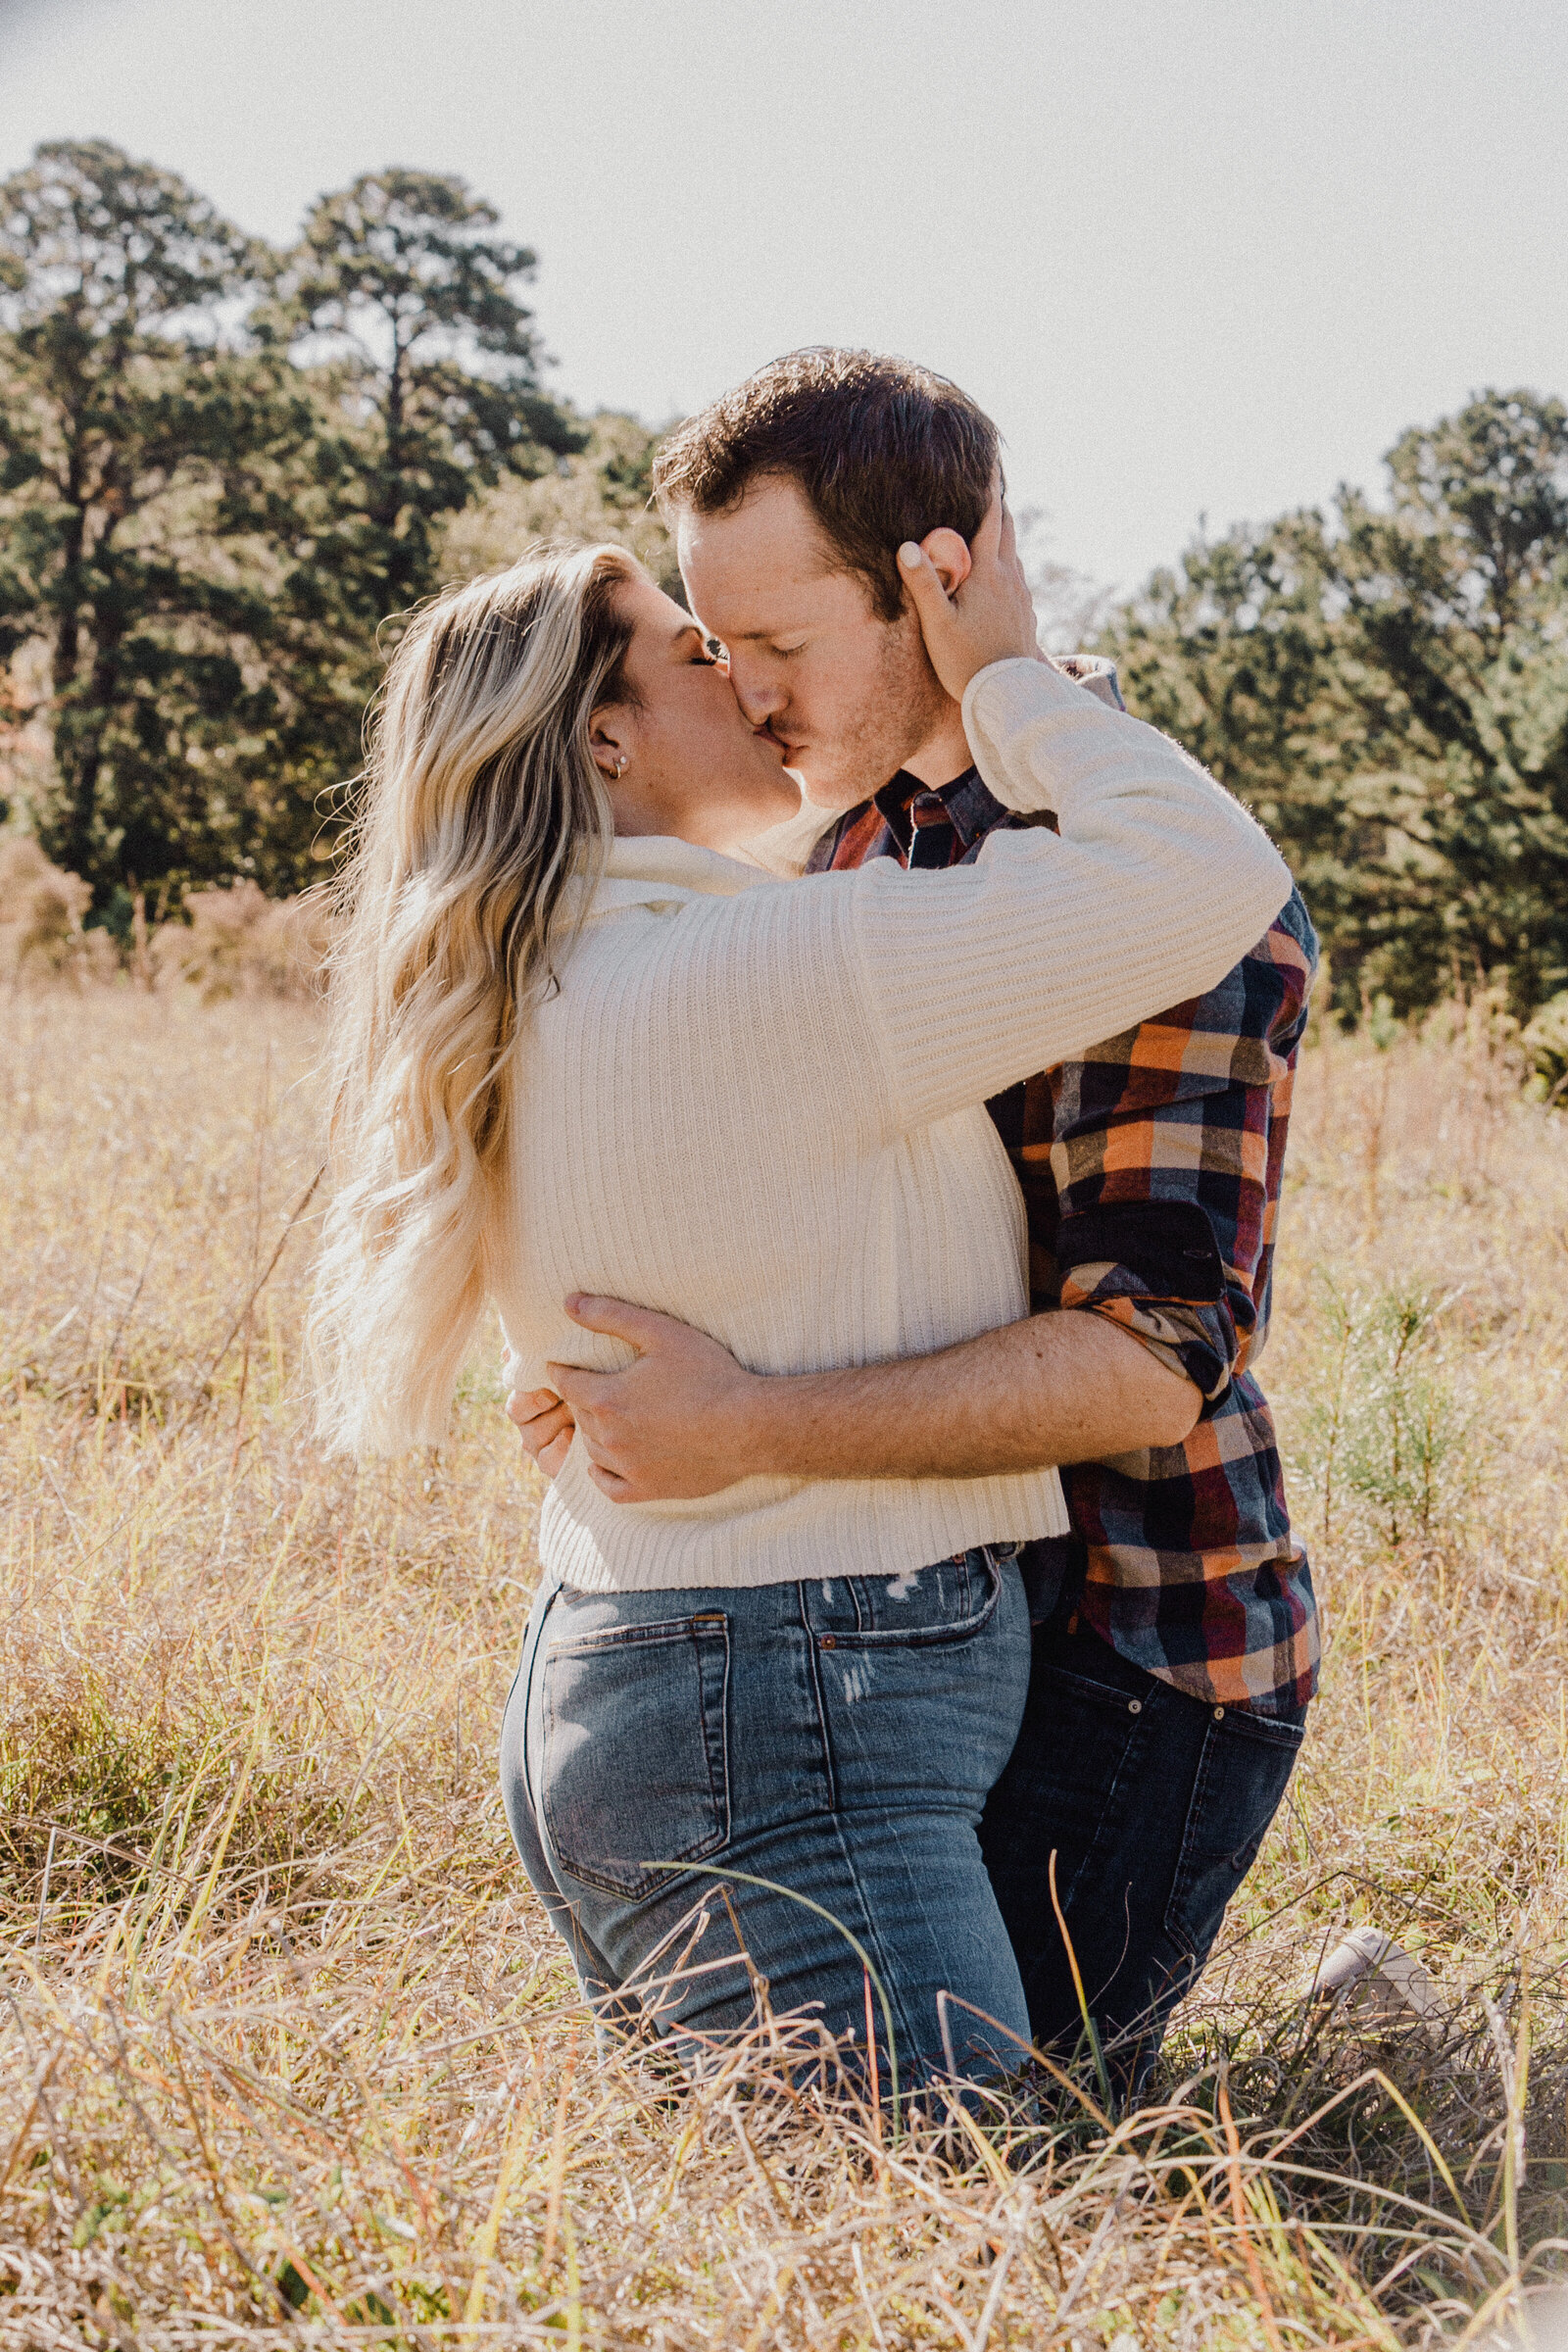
point(855, 1057)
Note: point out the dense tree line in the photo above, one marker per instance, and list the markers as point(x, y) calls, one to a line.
point(226, 469)
point(223, 467)
point(1388, 686)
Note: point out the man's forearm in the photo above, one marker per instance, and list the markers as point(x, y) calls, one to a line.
point(1056, 1387)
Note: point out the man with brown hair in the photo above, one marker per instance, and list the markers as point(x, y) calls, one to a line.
point(1175, 1631)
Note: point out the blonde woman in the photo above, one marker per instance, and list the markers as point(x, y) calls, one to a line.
point(581, 1046)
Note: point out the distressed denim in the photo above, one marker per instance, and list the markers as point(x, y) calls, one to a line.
point(837, 1738)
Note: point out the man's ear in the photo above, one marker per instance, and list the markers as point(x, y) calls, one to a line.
point(949, 556)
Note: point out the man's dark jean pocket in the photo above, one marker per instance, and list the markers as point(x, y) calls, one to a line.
point(1155, 1803)
point(635, 1768)
point(1242, 1774)
point(1099, 1752)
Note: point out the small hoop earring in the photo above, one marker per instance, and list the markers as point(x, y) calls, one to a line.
point(621, 766)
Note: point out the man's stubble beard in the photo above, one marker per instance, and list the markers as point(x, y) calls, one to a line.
point(903, 710)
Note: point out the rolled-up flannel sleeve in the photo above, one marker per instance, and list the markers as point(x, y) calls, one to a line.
point(1198, 1337)
point(1164, 1146)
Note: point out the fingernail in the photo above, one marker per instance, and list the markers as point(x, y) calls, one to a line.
point(909, 556)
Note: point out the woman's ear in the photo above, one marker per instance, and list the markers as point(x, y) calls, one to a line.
point(948, 553)
point(606, 741)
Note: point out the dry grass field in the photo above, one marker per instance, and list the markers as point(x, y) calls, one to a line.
point(288, 2054)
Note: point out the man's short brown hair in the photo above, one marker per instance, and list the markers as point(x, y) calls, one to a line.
point(884, 450)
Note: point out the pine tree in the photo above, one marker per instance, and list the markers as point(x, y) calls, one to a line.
point(131, 426)
point(407, 311)
point(1388, 688)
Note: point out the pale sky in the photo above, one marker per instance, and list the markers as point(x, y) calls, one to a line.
point(1197, 257)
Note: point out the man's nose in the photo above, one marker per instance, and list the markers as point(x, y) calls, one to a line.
point(760, 693)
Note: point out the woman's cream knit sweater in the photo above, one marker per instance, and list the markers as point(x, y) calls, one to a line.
point(757, 1104)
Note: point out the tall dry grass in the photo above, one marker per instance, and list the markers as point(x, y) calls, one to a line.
point(289, 2054)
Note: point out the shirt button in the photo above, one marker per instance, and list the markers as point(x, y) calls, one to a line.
point(1135, 1706)
point(829, 1642)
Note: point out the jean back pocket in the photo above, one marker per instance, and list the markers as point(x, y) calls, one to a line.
point(936, 1607)
point(1245, 1765)
point(635, 1768)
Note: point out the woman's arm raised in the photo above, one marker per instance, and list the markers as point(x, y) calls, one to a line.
point(1155, 882)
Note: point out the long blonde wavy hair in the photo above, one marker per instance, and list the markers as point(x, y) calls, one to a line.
point(481, 801)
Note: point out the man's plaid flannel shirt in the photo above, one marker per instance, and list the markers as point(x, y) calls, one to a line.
point(1150, 1173)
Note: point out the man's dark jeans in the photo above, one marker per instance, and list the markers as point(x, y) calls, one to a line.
point(1155, 1805)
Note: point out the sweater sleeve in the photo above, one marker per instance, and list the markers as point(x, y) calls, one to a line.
point(1155, 882)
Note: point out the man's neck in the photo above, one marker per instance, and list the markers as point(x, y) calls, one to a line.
point(944, 754)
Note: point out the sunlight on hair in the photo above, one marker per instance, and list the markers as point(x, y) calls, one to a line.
point(481, 803)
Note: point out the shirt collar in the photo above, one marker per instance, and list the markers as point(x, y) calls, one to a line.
point(973, 808)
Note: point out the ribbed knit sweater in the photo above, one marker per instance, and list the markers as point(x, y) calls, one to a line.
point(757, 1104)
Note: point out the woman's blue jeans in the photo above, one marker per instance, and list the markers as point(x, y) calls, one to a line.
point(837, 1738)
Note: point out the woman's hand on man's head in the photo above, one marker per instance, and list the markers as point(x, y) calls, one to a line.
point(972, 603)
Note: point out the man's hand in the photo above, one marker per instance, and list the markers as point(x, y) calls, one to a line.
point(686, 1420)
point(989, 615)
point(673, 1425)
